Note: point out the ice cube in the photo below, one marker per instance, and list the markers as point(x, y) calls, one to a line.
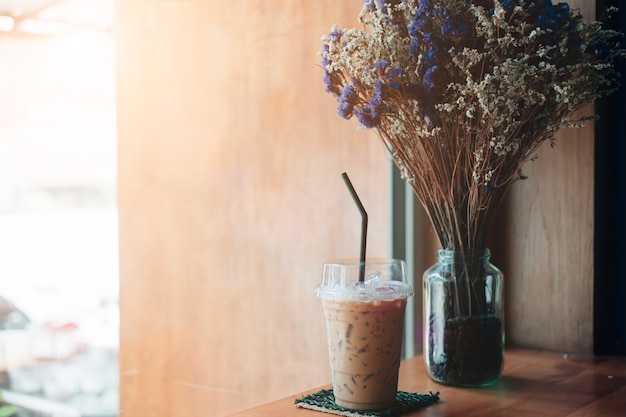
point(374, 280)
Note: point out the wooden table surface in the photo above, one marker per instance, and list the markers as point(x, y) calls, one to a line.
point(534, 383)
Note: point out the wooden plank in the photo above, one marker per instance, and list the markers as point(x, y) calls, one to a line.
point(612, 404)
point(548, 261)
point(536, 383)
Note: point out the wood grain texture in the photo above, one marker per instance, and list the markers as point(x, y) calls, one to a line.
point(534, 383)
point(230, 199)
point(547, 256)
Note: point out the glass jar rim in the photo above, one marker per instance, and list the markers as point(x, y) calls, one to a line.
point(462, 254)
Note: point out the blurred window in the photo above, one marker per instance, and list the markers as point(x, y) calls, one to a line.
point(59, 316)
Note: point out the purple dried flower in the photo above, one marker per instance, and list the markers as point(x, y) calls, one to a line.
point(429, 82)
point(419, 24)
point(424, 6)
point(328, 82)
point(332, 80)
point(414, 48)
point(365, 117)
point(453, 26)
point(372, 5)
point(378, 88)
point(369, 115)
point(377, 106)
point(395, 73)
point(347, 100)
point(377, 103)
point(381, 64)
point(335, 34)
point(349, 94)
point(345, 109)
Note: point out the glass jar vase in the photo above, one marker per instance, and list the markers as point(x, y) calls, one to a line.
point(464, 319)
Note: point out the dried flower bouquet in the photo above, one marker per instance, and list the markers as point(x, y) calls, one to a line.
point(463, 92)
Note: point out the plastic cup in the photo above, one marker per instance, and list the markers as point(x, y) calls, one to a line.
point(364, 322)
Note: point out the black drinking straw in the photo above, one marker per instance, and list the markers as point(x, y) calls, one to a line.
point(359, 205)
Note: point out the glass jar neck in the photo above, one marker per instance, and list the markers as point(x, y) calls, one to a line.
point(450, 256)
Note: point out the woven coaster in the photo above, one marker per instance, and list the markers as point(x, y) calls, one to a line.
point(324, 401)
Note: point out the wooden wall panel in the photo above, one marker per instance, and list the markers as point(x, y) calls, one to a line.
point(547, 249)
point(543, 242)
point(230, 199)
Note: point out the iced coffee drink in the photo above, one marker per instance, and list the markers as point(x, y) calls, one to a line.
point(364, 326)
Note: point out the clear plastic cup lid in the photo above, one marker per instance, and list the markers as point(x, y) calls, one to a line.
point(384, 279)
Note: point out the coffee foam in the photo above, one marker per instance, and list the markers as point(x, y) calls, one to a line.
point(361, 291)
